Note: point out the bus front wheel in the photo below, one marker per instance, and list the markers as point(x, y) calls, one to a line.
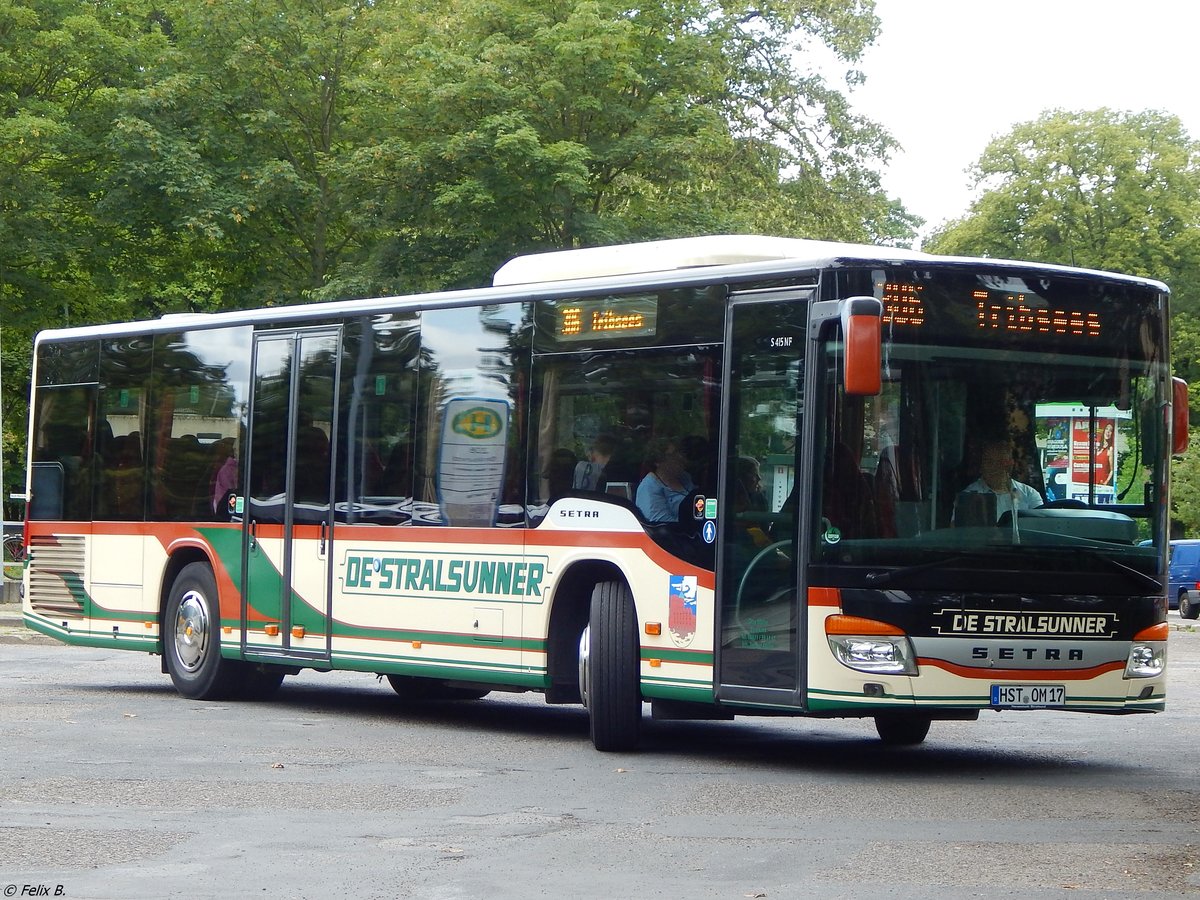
point(609, 669)
point(902, 729)
point(192, 637)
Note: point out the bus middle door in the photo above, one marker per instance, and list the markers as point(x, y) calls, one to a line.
point(288, 516)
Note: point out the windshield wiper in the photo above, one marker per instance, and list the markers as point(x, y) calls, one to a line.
point(881, 578)
point(1141, 577)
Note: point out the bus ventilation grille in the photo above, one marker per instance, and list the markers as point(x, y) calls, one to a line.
point(56, 570)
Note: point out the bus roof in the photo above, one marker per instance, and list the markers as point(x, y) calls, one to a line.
point(681, 253)
point(595, 270)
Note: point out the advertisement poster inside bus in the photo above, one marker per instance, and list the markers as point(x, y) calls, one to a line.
point(1080, 448)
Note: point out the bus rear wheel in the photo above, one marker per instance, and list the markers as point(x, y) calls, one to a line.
point(609, 669)
point(192, 638)
point(902, 729)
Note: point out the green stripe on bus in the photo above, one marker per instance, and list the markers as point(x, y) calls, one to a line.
point(657, 691)
point(390, 665)
point(89, 638)
point(441, 638)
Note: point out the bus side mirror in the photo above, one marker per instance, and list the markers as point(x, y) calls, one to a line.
point(862, 330)
point(1179, 416)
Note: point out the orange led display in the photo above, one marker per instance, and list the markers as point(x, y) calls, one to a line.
point(1013, 314)
point(902, 304)
point(609, 318)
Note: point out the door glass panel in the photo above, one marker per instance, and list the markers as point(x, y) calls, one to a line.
point(314, 426)
point(311, 467)
point(759, 645)
point(268, 444)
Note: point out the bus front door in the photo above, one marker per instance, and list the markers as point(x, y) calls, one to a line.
point(288, 516)
point(758, 653)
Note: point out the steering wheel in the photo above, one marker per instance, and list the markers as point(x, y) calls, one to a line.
point(775, 549)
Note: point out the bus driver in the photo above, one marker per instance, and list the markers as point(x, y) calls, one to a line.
point(995, 477)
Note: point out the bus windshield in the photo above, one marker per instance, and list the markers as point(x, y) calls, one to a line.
point(1018, 429)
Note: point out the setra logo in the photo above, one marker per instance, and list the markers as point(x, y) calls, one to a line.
point(477, 422)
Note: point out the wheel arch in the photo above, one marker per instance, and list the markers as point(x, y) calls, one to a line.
point(179, 559)
point(569, 611)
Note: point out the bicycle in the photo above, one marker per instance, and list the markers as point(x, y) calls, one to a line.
point(14, 548)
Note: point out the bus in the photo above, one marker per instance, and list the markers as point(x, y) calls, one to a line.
point(464, 492)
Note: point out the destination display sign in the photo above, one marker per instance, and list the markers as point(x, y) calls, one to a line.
point(611, 317)
point(904, 306)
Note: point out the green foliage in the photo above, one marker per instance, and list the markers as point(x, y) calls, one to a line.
point(1185, 489)
point(63, 66)
point(1099, 189)
point(534, 124)
point(209, 154)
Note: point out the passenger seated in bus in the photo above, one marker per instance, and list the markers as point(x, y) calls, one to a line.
point(995, 480)
point(590, 473)
point(667, 484)
point(748, 492)
point(749, 497)
point(312, 464)
point(224, 479)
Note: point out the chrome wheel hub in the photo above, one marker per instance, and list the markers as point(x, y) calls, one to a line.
point(192, 631)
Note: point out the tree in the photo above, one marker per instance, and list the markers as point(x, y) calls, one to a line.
point(240, 155)
point(532, 124)
point(62, 66)
point(1099, 189)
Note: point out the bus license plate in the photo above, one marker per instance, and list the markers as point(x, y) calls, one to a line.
point(1030, 695)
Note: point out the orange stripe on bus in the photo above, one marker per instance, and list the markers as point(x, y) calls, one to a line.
point(1026, 674)
point(824, 596)
point(1157, 632)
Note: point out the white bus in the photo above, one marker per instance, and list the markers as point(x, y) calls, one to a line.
point(723, 476)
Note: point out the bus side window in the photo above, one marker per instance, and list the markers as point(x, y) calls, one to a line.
point(470, 415)
point(65, 443)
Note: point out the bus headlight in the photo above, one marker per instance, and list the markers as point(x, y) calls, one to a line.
point(869, 646)
point(1146, 660)
point(880, 655)
point(1148, 654)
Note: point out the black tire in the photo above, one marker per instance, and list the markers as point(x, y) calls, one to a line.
point(902, 729)
point(1187, 609)
point(192, 638)
point(614, 698)
point(412, 689)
